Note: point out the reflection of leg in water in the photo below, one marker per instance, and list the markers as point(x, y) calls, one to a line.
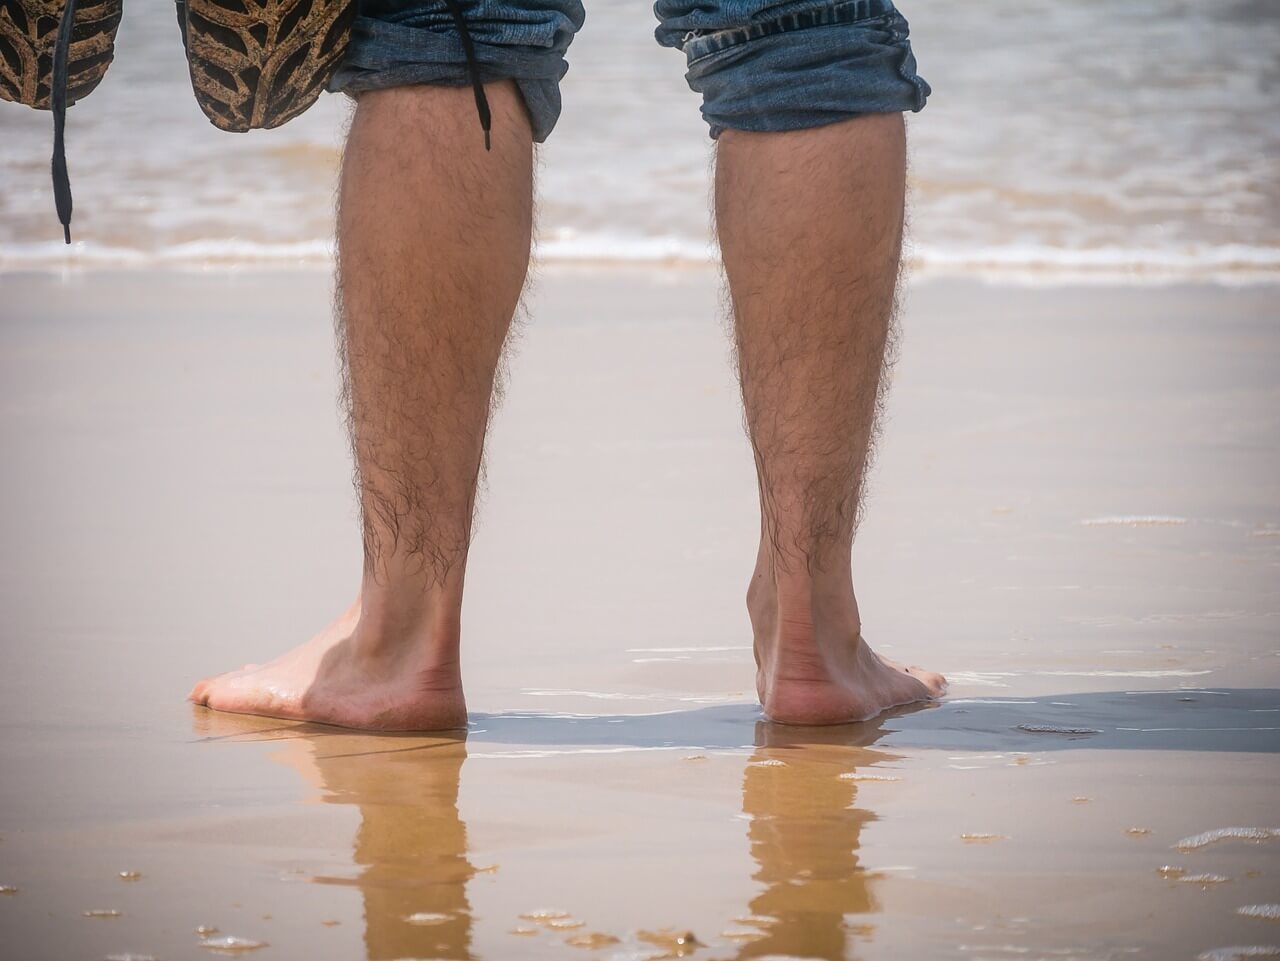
point(804, 838)
point(412, 844)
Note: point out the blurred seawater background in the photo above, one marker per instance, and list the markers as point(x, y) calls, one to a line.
point(1082, 138)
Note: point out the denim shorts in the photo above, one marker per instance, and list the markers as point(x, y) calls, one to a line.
point(762, 65)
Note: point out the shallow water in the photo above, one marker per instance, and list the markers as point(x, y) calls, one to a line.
point(1063, 137)
point(1100, 783)
point(310, 841)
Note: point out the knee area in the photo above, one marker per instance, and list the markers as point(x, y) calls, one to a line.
point(415, 43)
point(807, 69)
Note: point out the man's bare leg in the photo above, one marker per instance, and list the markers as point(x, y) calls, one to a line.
point(433, 238)
point(810, 226)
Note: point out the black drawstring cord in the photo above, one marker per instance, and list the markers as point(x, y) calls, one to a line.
point(58, 97)
point(473, 68)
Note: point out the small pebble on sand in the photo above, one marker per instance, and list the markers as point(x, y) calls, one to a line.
point(982, 838)
point(592, 940)
point(206, 930)
point(565, 924)
point(330, 922)
point(1170, 871)
point(523, 931)
point(7, 890)
point(1137, 832)
point(679, 941)
point(130, 875)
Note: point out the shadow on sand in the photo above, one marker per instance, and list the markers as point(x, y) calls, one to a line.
point(1219, 719)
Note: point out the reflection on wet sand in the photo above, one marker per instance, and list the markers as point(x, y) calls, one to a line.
point(411, 845)
point(809, 894)
point(798, 791)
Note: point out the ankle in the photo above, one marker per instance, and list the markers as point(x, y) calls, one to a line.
point(409, 617)
point(798, 592)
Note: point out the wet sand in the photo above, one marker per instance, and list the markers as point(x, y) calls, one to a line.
point(1075, 515)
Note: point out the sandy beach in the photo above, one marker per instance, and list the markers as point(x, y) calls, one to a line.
point(1075, 515)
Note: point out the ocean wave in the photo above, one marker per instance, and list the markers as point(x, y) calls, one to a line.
point(1226, 263)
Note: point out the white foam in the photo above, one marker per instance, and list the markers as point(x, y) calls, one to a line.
point(1134, 520)
point(1225, 834)
point(1022, 263)
point(854, 776)
point(230, 944)
point(979, 678)
point(578, 751)
point(1191, 259)
point(683, 650)
point(621, 696)
point(1266, 912)
point(1172, 672)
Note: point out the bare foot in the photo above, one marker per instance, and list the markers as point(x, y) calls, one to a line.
point(812, 664)
point(343, 676)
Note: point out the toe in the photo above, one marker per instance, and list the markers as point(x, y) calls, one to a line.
point(200, 693)
point(934, 681)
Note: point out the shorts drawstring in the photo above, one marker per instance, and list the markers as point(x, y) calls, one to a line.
point(473, 68)
point(58, 101)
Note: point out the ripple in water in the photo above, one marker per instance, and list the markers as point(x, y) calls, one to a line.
point(1056, 729)
point(1265, 912)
